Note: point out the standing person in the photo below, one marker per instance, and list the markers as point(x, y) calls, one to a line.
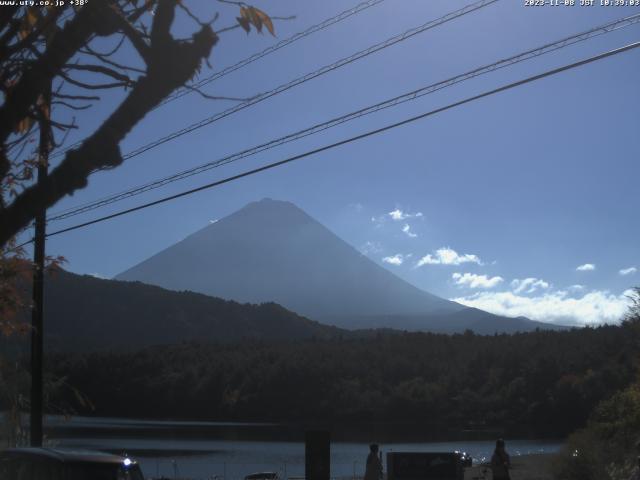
point(374, 464)
point(500, 462)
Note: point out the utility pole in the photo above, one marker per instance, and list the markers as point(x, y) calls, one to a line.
point(37, 311)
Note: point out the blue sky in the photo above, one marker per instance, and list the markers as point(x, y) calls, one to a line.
point(495, 204)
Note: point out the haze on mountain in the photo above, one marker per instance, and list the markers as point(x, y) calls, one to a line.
point(272, 251)
point(85, 314)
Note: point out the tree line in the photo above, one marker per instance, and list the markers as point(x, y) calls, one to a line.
point(538, 383)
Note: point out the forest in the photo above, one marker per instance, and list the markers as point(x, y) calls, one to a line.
point(537, 383)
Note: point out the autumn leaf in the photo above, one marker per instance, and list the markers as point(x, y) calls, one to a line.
point(24, 125)
point(254, 16)
point(255, 19)
point(29, 21)
point(33, 14)
point(265, 20)
point(244, 23)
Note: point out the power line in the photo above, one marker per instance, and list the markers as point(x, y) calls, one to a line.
point(370, 133)
point(256, 56)
point(310, 76)
point(283, 43)
point(527, 55)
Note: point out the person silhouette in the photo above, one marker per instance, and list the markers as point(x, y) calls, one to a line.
point(373, 470)
point(500, 462)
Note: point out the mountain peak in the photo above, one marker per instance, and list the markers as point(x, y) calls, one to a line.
point(272, 251)
point(270, 206)
point(260, 217)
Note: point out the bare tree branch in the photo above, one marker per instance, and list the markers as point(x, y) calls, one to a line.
point(171, 65)
point(91, 86)
point(134, 36)
point(64, 45)
point(110, 52)
point(76, 97)
point(72, 107)
point(216, 97)
point(101, 70)
point(104, 58)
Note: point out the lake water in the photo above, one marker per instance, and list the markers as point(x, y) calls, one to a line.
point(229, 451)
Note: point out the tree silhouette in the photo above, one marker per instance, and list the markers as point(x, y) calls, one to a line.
point(52, 65)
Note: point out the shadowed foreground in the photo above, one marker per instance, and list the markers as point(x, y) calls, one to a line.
point(529, 467)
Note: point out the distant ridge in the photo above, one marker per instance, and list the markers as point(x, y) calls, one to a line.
point(273, 251)
point(84, 313)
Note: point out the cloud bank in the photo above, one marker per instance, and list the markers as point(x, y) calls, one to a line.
point(587, 267)
point(398, 215)
point(528, 285)
point(593, 308)
point(448, 256)
point(397, 259)
point(472, 280)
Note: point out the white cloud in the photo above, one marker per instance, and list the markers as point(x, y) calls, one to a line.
point(472, 280)
point(98, 275)
point(397, 259)
point(587, 267)
point(407, 229)
point(398, 215)
point(213, 221)
point(448, 256)
point(528, 285)
point(370, 247)
point(593, 308)
point(628, 271)
point(576, 288)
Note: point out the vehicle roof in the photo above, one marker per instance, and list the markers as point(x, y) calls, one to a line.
point(65, 455)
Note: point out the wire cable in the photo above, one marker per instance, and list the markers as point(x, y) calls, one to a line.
point(256, 56)
point(352, 139)
point(283, 43)
point(309, 76)
point(527, 55)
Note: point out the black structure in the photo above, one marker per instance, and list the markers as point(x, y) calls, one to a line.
point(425, 466)
point(317, 455)
point(37, 312)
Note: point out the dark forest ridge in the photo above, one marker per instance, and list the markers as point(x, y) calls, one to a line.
point(272, 251)
point(542, 383)
point(85, 313)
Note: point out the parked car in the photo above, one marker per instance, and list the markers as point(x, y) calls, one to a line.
point(262, 476)
point(426, 465)
point(62, 464)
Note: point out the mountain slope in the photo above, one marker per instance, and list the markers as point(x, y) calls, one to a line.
point(273, 251)
point(86, 313)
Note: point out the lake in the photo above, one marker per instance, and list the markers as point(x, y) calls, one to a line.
point(205, 450)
